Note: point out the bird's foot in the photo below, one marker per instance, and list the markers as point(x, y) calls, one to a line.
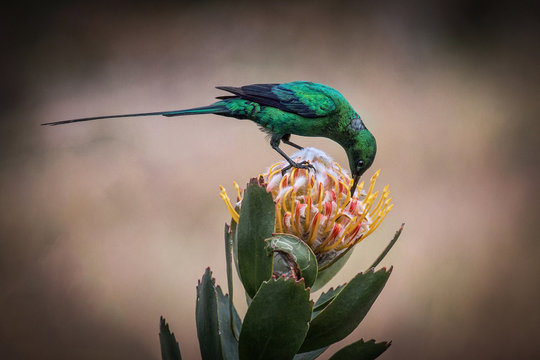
point(299, 165)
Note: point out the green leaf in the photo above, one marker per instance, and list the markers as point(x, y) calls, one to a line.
point(310, 355)
point(234, 239)
point(325, 299)
point(207, 318)
point(327, 296)
point(346, 310)
point(296, 257)
point(361, 350)
point(328, 273)
point(169, 346)
point(228, 261)
point(277, 320)
point(217, 339)
point(229, 343)
point(257, 217)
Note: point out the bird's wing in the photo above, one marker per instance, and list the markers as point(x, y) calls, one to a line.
point(306, 99)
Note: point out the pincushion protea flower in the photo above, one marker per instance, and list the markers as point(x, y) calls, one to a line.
point(290, 234)
point(317, 207)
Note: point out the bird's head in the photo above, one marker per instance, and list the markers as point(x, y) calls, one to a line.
point(361, 154)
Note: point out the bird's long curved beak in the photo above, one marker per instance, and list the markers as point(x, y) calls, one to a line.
point(355, 183)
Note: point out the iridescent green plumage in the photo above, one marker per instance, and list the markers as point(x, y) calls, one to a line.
point(300, 108)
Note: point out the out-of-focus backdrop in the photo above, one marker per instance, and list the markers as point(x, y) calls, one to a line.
point(107, 225)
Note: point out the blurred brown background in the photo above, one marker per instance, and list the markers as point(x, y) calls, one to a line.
point(105, 226)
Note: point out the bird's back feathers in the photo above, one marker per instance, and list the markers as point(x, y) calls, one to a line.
point(303, 98)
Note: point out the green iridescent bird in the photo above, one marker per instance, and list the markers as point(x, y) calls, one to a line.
point(300, 108)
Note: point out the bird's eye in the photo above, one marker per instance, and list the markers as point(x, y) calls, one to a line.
point(360, 164)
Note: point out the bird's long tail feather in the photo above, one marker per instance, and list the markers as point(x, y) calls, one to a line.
point(217, 108)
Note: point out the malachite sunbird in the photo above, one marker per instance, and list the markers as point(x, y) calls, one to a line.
point(300, 107)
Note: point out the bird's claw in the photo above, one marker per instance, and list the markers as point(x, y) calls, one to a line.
point(304, 165)
point(299, 165)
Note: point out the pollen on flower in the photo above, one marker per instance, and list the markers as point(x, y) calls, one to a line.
point(317, 206)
